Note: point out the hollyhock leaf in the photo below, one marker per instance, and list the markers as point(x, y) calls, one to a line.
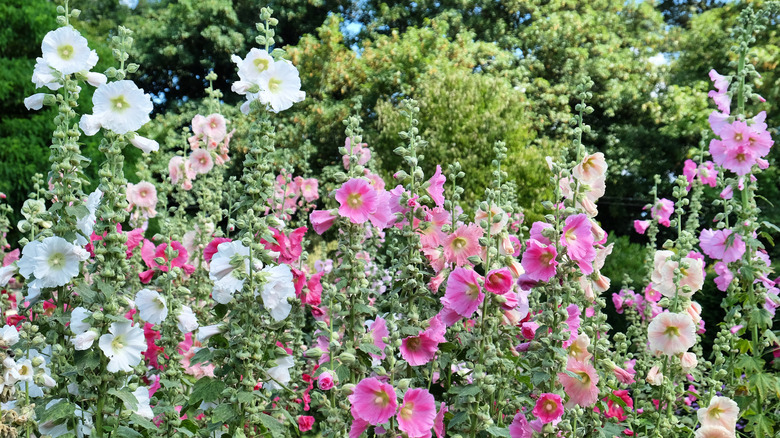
point(126, 396)
point(143, 422)
point(201, 356)
point(223, 414)
point(220, 310)
point(539, 377)
point(86, 293)
point(207, 390)
point(497, 431)
point(370, 349)
point(460, 417)
point(126, 432)
point(273, 425)
point(57, 412)
point(87, 360)
point(470, 390)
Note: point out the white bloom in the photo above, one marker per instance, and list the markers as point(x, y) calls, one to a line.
point(123, 346)
point(208, 331)
point(89, 124)
point(280, 86)
point(48, 381)
point(121, 106)
point(151, 306)
point(84, 341)
point(144, 144)
point(34, 102)
point(143, 409)
point(43, 77)
point(23, 372)
point(9, 335)
point(6, 273)
point(280, 373)
point(245, 106)
point(77, 317)
point(86, 224)
point(226, 283)
point(53, 261)
point(187, 322)
point(66, 51)
point(251, 68)
point(33, 292)
point(278, 288)
point(96, 79)
point(241, 87)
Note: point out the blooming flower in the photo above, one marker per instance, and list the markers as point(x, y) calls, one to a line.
point(463, 293)
point(357, 199)
point(417, 413)
point(121, 106)
point(671, 333)
point(200, 161)
point(229, 257)
point(578, 240)
point(662, 211)
point(436, 187)
point(582, 390)
point(373, 401)
point(186, 321)
point(305, 423)
point(66, 51)
point(713, 432)
point(519, 427)
point(143, 409)
point(724, 278)
point(277, 290)
point(641, 226)
point(654, 376)
point(421, 349)
point(499, 281)
point(720, 245)
point(123, 346)
point(462, 244)
point(53, 261)
point(280, 86)
point(144, 196)
point(548, 408)
point(325, 381)
point(539, 261)
point(151, 306)
point(721, 412)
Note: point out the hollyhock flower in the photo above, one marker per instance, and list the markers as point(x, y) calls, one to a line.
point(123, 346)
point(149, 254)
point(417, 413)
point(251, 68)
point(214, 127)
point(499, 281)
point(187, 321)
point(151, 306)
point(212, 247)
point(663, 274)
point(436, 187)
point(226, 283)
point(536, 232)
point(495, 227)
point(277, 290)
point(463, 293)
point(724, 278)
point(713, 432)
point(373, 401)
point(288, 246)
point(309, 189)
point(694, 311)
point(719, 245)
point(654, 376)
point(579, 348)
point(539, 261)
point(43, 76)
point(121, 106)
point(519, 427)
point(86, 223)
point(641, 226)
point(616, 410)
point(280, 86)
point(578, 240)
point(421, 349)
point(357, 199)
point(462, 244)
point(305, 423)
point(360, 150)
point(146, 145)
point(53, 261)
point(548, 408)
point(200, 161)
point(66, 51)
point(582, 390)
point(142, 195)
point(593, 168)
point(325, 381)
point(671, 333)
point(721, 412)
point(378, 331)
point(279, 373)
point(662, 211)
point(9, 336)
point(688, 361)
point(623, 376)
point(34, 102)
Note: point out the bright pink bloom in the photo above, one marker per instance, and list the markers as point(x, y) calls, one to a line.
point(357, 199)
point(641, 226)
point(325, 381)
point(438, 422)
point(582, 390)
point(548, 408)
point(519, 427)
point(436, 187)
point(462, 244)
point(721, 246)
point(499, 281)
point(421, 349)
point(539, 261)
point(616, 410)
point(417, 413)
point(724, 278)
point(536, 232)
point(662, 211)
point(288, 247)
point(211, 248)
point(463, 293)
point(652, 294)
point(313, 296)
point(322, 220)
point(373, 401)
point(528, 329)
point(379, 331)
point(358, 427)
point(671, 333)
point(382, 217)
point(578, 240)
point(149, 253)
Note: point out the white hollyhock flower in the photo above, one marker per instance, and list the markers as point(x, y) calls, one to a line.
point(53, 261)
point(86, 224)
point(278, 288)
point(43, 77)
point(280, 86)
point(123, 346)
point(143, 409)
point(187, 322)
point(9, 335)
point(23, 372)
point(84, 341)
point(96, 79)
point(6, 273)
point(34, 102)
point(222, 267)
point(66, 51)
point(205, 332)
point(145, 144)
point(151, 306)
point(250, 69)
point(121, 106)
point(77, 317)
point(90, 124)
point(280, 373)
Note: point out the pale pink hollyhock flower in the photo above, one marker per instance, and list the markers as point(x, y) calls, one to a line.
point(724, 278)
point(593, 168)
point(654, 376)
point(663, 274)
point(536, 232)
point(495, 210)
point(539, 261)
point(641, 226)
point(436, 187)
point(579, 348)
point(201, 161)
point(582, 390)
point(499, 281)
point(662, 211)
point(720, 82)
point(142, 195)
point(357, 199)
point(519, 427)
point(463, 293)
point(417, 413)
point(671, 333)
point(309, 187)
point(462, 244)
point(578, 240)
point(198, 124)
point(738, 159)
point(688, 361)
point(720, 245)
point(713, 432)
point(322, 220)
point(694, 311)
point(175, 168)
point(722, 412)
point(548, 408)
point(373, 401)
point(361, 151)
point(215, 127)
point(727, 193)
point(624, 376)
point(325, 381)
point(438, 422)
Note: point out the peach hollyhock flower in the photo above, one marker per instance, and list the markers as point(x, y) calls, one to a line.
point(654, 376)
point(592, 169)
point(201, 161)
point(577, 237)
point(539, 261)
point(215, 127)
point(417, 413)
point(462, 244)
point(722, 412)
point(579, 348)
point(357, 199)
point(713, 432)
point(463, 294)
point(373, 401)
point(671, 333)
point(582, 390)
point(721, 246)
point(663, 274)
point(694, 311)
point(548, 408)
point(688, 361)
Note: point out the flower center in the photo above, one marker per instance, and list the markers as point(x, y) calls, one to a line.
point(119, 103)
point(584, 377)
point(261, 64)
point(459, 242)
point(142, 193)
point(738, 136)
point(413, 343)
point(473, 292)
point(56, 259)
point(354, 200)
point(381, 399)
point(672, 331)
point(407, 411)
point(274, 84)
point(117, 344)
point(65, 51)
point(550, 406)
point(546, 258)
point(24, 370)
point(570, 236)
point(203, 160)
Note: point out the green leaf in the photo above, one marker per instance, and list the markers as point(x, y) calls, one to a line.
point(207, 390)
point(370, 348)
point(764, 383)
point(126, 432)
point(143, 422)
point(58, 412)
point(87, 360)
point(220, 310)
point(342, 372)
point(446, 347)
point(201, 356)
point(539, 377)
point(273, 425)
point(86, 293)
point(460, 417)
point(127, 398)
point(498, 431)
point(222, 414)
point(469, 390)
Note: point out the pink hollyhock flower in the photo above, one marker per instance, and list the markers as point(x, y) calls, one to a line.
point(688, 361)
point(536, 232)
point(314, 295)
point(662, 211)
point(578, 348)
point(519, 427)
point(663, 274)
point(652, 294)
point(671, 333)
point(539, 261)
point(358, 427)
point(149, 253)
point(722, 412)
point(689, 170)
point(438, 422)
point(616, 410)
point(200, 161)
point(322, 220)
point(641, 226)
point(499, 281)
point(187, 349)
point(694, 311)
point(152, 350)
point(325, 381)
point(215, 127)
point(417, 413)
point(578, 240)
point(373, 401)
point(724, 278)
point(624, 376)
point(142, 195)
point(720, 245)
point(713, 432)
point(720, 82)
point(360, 150)
point(175, 168)
point(582, 390)
point(382, 217)
point(654, 376)
point(421, 349)
point(495, 227)
point(738, 159)
point(357, 199)
point(463, 293)
point(305, 423)
point(528, 329)
point(289, 247)
point(379, 331)
point(548, 408)
point(436, 187)
point(462, 244)
point(198, 124)
point(708, 174)
point(211, 248)
point(722, 101)
point(309, 189)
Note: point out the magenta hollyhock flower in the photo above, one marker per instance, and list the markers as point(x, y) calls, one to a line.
point(357, 199)
point(436, 187)
point(358, 427)
point(211, 248)
point(539, 261)
point(373, 401)
point(379, 331)
point(289, 246)
point(708, 174)
point(641, 226)
point(417, 413)
point(582, 390)
point(438, 422)
point(720, 245)
point(499, 281)
point(662, 211)
point(548, 408)
point(463, 293)
point(689, 170)
point(536, 232)
point(149, 253)
point(578, 240)
point(617, 410)
point(651, 294)
point(421, 349)
point(462, 244)
point(671, 333)
point(322, 220)
point(314, 295)
point(520, 427)
point(724, 278)
point(305, 423)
